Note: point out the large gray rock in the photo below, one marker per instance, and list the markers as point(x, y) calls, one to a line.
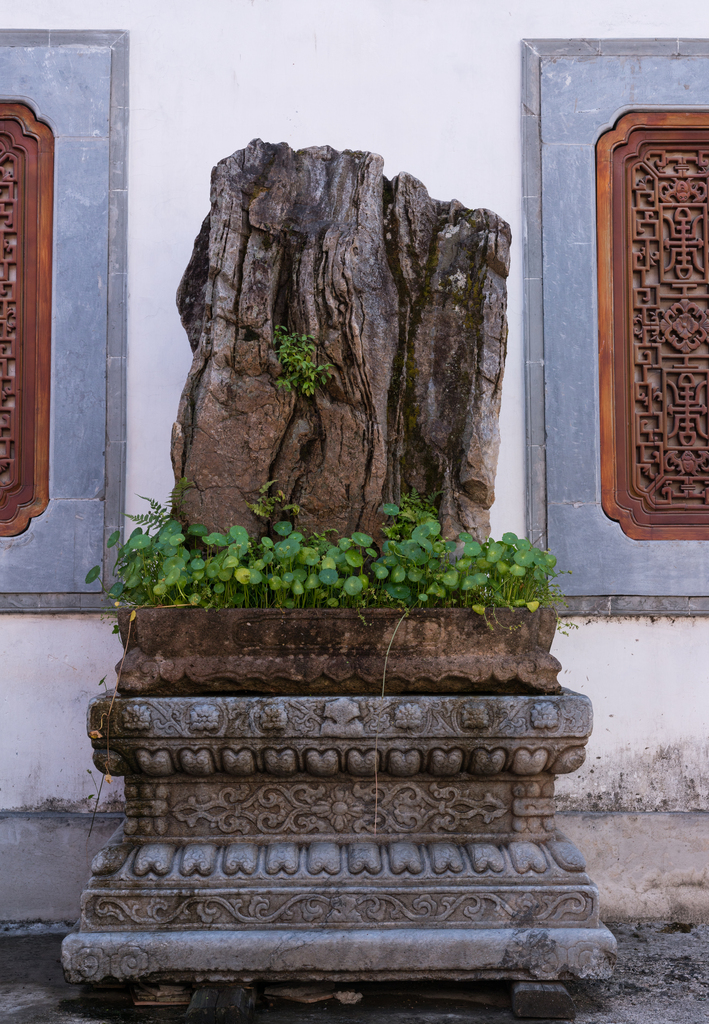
point(405, 297)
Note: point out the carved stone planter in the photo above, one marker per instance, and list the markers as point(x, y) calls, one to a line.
point(336, 837)
point(310, 651)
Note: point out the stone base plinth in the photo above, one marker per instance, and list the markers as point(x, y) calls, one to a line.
point(339, 838)
point(328, 954)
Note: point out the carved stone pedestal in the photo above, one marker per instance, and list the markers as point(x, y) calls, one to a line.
point(340, 838)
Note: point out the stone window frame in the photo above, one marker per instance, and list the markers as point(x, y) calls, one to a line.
point(77, 83)
point(573, 90)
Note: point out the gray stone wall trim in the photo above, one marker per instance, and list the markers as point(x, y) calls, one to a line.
point(44, 858)
point(88, 447)
point(612, 574)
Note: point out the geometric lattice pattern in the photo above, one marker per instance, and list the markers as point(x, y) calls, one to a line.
point(657, 345)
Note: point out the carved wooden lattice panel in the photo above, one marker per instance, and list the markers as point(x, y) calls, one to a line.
point(653, 235)
point(26, 177)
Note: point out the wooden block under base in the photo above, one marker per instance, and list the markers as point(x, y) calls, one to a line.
point(203, 1006)
point(235, 1006)
point(229, 1005)
point(548, 999)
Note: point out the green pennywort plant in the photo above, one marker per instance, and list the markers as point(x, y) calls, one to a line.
point(295, 354)
point(183, 567)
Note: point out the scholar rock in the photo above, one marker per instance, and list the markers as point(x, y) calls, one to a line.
point(405, 298)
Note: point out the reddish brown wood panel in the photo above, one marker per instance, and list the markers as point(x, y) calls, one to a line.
point(653, 279)
point(26, 188)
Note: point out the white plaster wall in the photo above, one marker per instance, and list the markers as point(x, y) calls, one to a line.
point(648, 679)
point(434, 86)
point(51, 667)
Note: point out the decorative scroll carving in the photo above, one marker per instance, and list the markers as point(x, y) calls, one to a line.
point(653, 177)
point(303, 809)
point(383, 906)
point(26, 179)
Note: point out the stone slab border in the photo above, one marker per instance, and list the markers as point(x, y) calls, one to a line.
point(77, 83)
point(572, 91)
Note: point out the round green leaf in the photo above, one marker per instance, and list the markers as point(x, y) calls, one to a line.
point(93, 574)
point(216, 540)
point(312, 582)
point(354, 558)
point(287, 549)
point(451, 579)
point(176, 539)
point(218, 588)
point(414, 552)
point(398, 574)
point(517, 570)
point(140, 542)
point(503, 568)
point(472, 549)
point(353, 586)
point(390, 510)
point(468, 583)
point(238, 535)
point(381, 572)
point(197, 563)
point(283, 529)
point(524, 558)
point(275, 582)
point(266, 542)
point(172, 577)
point(509, 538)
point(197, 530)
point(297, 588)
point(372, 553)
point(328, 576)
point(113, 539)
point(288, 577)
point(399, 593)
point(332, 602)
point(362, 539)
point(344, 544)
point(415, 575)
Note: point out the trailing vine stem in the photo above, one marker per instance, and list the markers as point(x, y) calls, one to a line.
point(379, 715)
point(96, 733)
